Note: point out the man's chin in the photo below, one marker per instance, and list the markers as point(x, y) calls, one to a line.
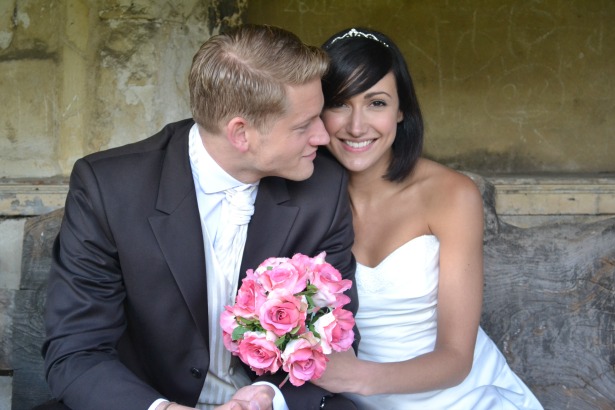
point(300, 174)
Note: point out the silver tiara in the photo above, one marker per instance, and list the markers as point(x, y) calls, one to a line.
point(355, 33)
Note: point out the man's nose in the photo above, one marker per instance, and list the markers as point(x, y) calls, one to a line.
point(320, 136)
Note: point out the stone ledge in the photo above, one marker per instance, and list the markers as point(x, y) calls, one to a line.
point(518, 197)
point(566, 195)
point(531, 200)
point(27, 197)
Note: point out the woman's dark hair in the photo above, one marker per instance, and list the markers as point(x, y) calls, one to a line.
point(359, 59)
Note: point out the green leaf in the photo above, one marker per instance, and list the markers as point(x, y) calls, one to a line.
point(313, 330)
point(281, 342)
point(310, 301)
point(312, 288)
point(238, 332)
point(243, 321)
point(250, 324)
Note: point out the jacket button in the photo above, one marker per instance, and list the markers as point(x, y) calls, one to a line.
point(196, 373)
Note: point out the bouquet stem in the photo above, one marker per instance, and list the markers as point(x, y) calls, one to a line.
point(284, 381)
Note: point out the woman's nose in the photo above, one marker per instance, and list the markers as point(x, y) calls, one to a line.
point(357, 125)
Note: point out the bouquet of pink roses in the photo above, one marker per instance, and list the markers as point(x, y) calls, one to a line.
point(288, 314)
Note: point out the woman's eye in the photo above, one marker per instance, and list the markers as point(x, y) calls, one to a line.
point(379, 103)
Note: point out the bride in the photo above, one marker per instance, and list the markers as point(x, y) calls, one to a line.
point(419, 237)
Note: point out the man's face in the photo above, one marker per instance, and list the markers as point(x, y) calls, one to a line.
point(288, 148)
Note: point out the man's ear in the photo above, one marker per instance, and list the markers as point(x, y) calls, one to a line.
point(236, 133)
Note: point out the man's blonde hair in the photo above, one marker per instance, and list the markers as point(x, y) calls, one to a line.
point(244, 71)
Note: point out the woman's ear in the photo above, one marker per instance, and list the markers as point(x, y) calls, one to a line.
point(236, 133)
point(400, 116)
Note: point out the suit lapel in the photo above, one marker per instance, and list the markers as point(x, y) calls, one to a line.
point(269, 226)
point(178, 230)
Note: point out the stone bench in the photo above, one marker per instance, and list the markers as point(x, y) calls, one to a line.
point(549, 304)
point(29, 386)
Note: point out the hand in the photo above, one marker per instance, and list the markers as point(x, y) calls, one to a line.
point(258, 397)
point(342, 374)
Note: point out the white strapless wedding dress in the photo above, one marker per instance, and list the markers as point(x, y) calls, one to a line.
point(397, 319)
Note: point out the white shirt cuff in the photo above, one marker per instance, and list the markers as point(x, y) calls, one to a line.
point(156, 403)
point(278, 400)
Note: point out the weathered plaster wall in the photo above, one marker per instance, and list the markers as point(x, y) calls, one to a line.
point(506, 86)
point(78, 76)
point(510, 86)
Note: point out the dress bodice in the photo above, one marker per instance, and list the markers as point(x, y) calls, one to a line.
point(397, 318)
point(399, 298)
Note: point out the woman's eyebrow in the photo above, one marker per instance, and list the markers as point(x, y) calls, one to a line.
point(376, 93)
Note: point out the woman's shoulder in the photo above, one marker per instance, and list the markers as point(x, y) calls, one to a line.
point(445, 187)
point(439, 178)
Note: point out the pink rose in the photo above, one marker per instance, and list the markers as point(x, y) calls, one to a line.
point(280, 273)
point(282, 312)
point(269, 315)
point(309, 265)
point(249, 298)
point(303, 360)
point(258, 351)
point(306, 264)
point(335, 330)
point(228, 324)
point(230, 344)
point(330, 286)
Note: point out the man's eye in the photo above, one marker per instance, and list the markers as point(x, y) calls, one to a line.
point(303, 127)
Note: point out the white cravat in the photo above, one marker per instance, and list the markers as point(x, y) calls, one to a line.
point(237, 209)
point(225, 376)
point(211, 183)
point(223, 259)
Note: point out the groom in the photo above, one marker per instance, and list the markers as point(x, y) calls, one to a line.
point(138, 280)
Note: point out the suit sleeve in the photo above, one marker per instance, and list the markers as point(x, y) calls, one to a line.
point(84, 312)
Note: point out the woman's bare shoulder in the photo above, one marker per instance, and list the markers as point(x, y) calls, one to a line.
point(441, 180)
point(447, 192)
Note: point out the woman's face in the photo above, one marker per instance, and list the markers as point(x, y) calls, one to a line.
point(363, 128)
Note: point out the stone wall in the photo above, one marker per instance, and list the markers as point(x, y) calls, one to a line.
point(519, 86)
point(78, 76)
point(512, 87)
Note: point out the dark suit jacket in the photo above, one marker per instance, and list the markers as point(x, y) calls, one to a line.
point(126, 313)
